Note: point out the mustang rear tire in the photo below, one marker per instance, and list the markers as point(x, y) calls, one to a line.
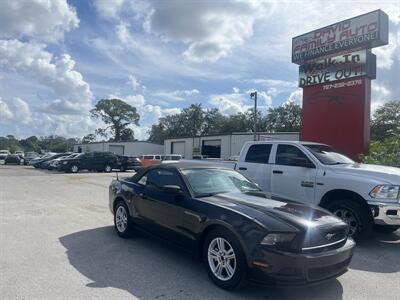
point(224, 259)
point(355, 215)
point(122, 221)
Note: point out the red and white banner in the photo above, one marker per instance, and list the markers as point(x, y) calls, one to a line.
point(365, 31)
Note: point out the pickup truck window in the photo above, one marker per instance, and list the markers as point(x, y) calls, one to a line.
point(327, 155)
point(258, 153)
point(287, 155)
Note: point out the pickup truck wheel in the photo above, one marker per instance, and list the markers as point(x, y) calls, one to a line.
point(386, 228)
point(107, 168)
point(74, 169)
point(122, 221)
point(224, 259)
point(355, 215)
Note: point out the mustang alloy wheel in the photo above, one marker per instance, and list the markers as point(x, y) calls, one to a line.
point(122, 221)
point(224, 259)
point(221, 259)
point(74, 169)
point(107, 169)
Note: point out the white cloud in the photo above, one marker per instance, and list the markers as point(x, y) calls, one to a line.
point(134, 82)
point(16, 110)
point(211, 29)
point(386, 55)
point(56, 73)
point(5, 112)
point(135, 100)
point(43, 20)
point(108, 9)
point(177, 95)
point(295, 97)
point(275, 83)
point(229, 104)
point(22, 111)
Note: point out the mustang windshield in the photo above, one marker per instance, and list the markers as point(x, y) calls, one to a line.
point(327, 155)
point(208, 182)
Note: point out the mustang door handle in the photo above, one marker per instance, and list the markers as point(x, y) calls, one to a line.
point(242, 168)
point(277, 172)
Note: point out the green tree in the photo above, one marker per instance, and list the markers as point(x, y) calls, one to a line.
point(386, 152)
point(285, 118)
point(117, 115)
point(89, 138)
point(386, 121)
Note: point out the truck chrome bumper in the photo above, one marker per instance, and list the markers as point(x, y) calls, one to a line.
point(385, 213)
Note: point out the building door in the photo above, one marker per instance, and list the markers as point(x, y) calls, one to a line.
point(211, 148)
point(116, 149)
point(178, 148)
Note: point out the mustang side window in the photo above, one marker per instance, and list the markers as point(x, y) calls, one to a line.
point(156, 179)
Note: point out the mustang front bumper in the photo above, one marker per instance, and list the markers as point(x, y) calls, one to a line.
point(385, 213)
point(298, 268)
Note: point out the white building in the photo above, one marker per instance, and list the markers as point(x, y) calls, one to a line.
point(220, 146)
point(136, 148)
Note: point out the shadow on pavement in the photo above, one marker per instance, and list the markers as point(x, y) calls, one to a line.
point(149, 268)
point(381, 253)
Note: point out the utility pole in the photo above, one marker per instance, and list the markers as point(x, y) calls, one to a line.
point(254, 94)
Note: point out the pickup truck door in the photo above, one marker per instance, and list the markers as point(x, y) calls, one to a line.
point(293, 175)
point(256, 167)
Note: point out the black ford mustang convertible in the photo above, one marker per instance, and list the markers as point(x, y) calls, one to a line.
point(227, 220)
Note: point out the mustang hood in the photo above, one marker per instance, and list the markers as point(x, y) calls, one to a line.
point(294, 213)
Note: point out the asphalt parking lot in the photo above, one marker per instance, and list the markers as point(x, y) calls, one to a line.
point(57, 242)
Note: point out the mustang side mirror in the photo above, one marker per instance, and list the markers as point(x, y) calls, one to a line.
point(172, 189)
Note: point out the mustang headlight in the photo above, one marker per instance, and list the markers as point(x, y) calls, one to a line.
point(274, 239)
point(390, 192)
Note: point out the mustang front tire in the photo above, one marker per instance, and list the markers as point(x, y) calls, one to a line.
point(224, 258)
point(122, 221)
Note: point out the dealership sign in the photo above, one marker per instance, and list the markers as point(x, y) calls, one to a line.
point(365, 31)
point(333, 68)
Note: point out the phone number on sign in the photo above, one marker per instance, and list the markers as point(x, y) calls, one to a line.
point(342, 84)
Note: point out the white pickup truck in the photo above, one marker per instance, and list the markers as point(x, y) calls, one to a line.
point(360, 194)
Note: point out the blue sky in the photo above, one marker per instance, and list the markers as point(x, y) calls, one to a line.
point(58, 58)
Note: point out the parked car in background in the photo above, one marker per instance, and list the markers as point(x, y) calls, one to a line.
point(125, 163)
point(21, 154)
point(315, 174)
point(231, 225)
point(45, 161)
point(12, 159)
point(54, 163)
point(200, 156)
point(29, 156)
point(3, 154)
point(35, 162)
point(98, 161)
point(150, 159)
point(171, 157)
